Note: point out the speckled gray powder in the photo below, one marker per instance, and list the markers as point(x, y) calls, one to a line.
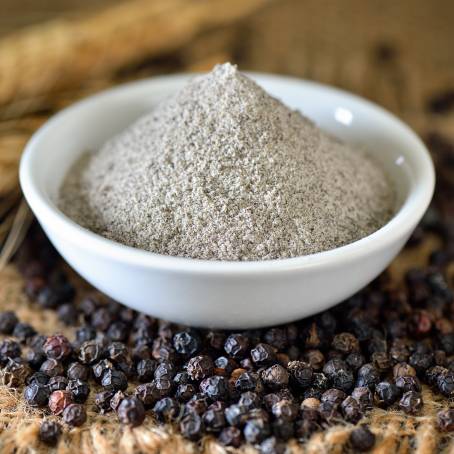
point(222, 170)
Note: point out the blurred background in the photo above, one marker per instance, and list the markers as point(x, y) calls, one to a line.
point(396, 52)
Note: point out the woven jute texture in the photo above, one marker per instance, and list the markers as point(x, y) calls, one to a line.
point(385, 51)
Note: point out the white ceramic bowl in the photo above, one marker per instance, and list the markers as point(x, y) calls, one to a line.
point(214, 293)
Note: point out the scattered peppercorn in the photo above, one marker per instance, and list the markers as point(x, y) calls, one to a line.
point(50, 432)
point(445, 420)
point(131, 411)
point(362, 439)
point(74, 415)
point(59, 400)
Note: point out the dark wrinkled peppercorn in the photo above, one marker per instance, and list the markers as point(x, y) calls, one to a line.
point(52, 368)
point(57, 383)
point(79, 390)
point(364, 397)
point(263, 355)
point(445, 420)
point(77, 371)
point(285, 410)
point(272, 445)
point(408, 384)
point(90, 352)
point(200, 367)
point(411, 402)
point(351, 410)
point(9, 349)
point(387, 393)
point(145, 369)
point(36, 394)
point(368, 375)
point(256, 430)
point(114, 380)
point(102, 401)
point(275, 377)
point(445, 383)
point(74, 415)
point(131, 411)
point(214, 419)
point(345, 343)
point(214, 387)
point(167, 409)
point(362, 439)
point(8, 321)
point(301, 373)
point(230, 436)
point(191, 426)
point(116, 400)
point(236, 345)
point(164, 370)
point(49, 432)
point(186, 343)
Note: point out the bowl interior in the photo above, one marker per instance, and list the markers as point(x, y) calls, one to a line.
point(89, 123)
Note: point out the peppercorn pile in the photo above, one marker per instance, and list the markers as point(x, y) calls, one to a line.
point(380, 349)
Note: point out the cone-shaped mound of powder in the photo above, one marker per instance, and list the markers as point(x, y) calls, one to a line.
point(222, 170)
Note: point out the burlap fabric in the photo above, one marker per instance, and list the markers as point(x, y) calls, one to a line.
point(304, 38)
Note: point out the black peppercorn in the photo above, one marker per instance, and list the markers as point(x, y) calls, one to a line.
point(184, 392)
point(38, 377)
point(272, 445)
point(345, 343)
point(102, 401)
point(36, 394)
point(74, 415)
point(114, 380)
point(364, 397)
point(275, 377)
point(77, 371)
point(100, 368)
point(250, 400)
point(200, 367)
point(214, 387)
point(9, 349)
point(79, 390)
point(236, 415)
point(167, 409)
point(197, 404)
point(263, 355)
point(411, 402)
point(90, 352)
point(368, 375)
point(301, 373)
point(131, 411)
point(84, 334)
point(8, 321)
point(15, 373)
point(186, 343)
point(145, 369)
point(52, 368)
point(49, 432)
point(230, 436)
point(351, 410)
point(57, 383)
point(164, 370)
point(256, 430)
point(445, 383)
point(333, 396)
point(408, 384)
point(445, 420)
point(387, 393)
point(236, 345)
point(214, 419)
point(362, 439)
point(191, 426)
point(285, 410)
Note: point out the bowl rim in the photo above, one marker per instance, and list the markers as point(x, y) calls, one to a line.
point(402, 222)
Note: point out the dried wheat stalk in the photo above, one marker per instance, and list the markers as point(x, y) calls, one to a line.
point(63, 54)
